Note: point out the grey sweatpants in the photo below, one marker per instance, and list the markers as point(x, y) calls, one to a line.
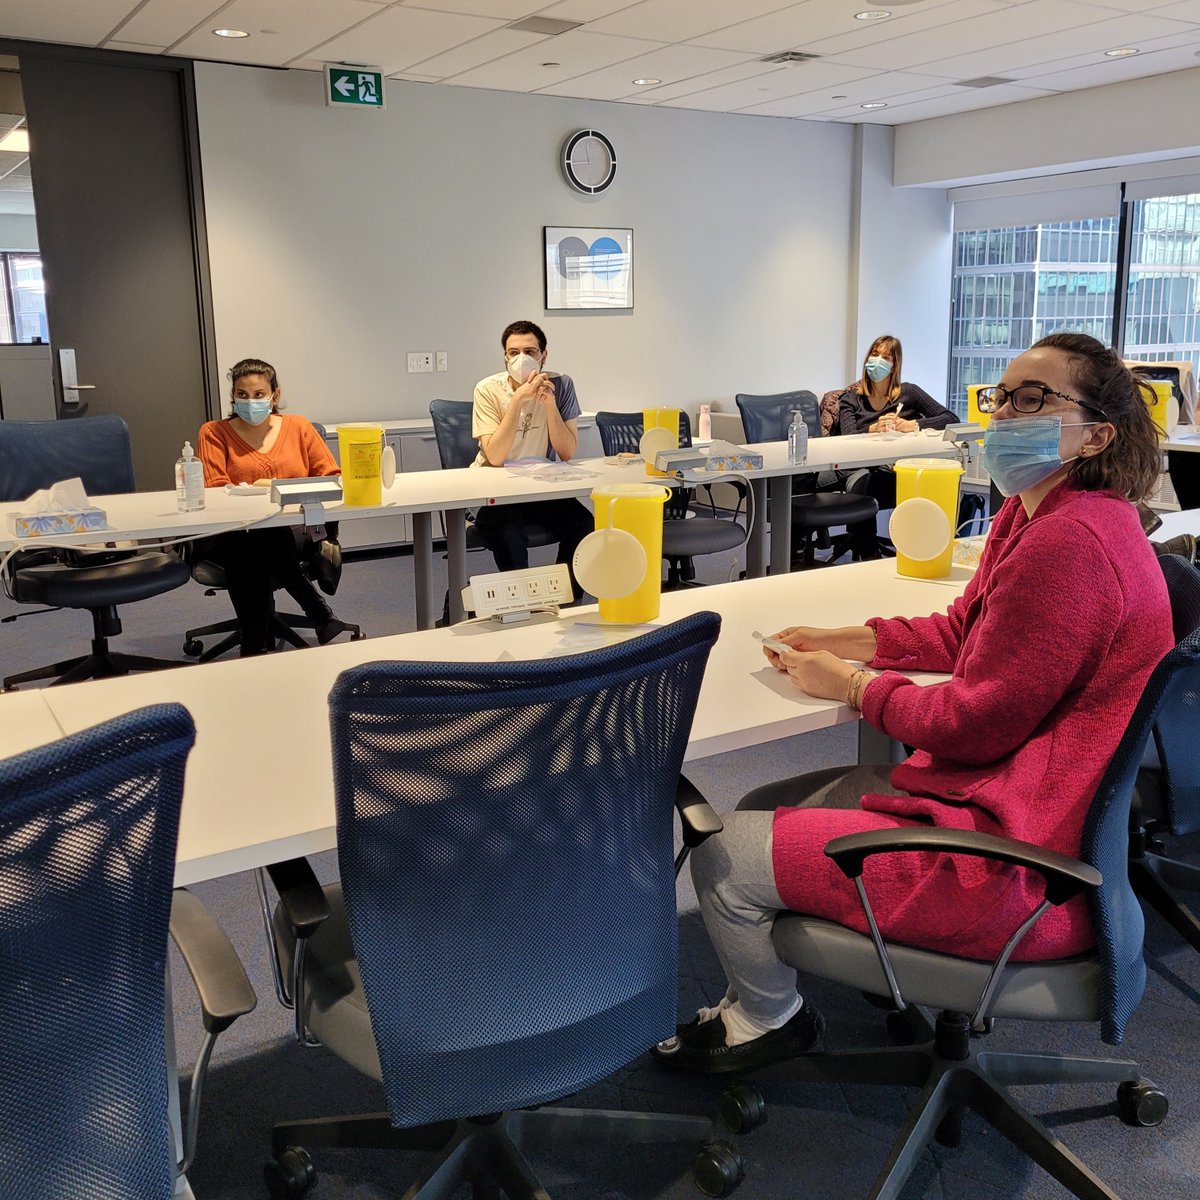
point(735, 883)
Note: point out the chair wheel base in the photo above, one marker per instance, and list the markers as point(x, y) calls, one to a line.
point(192, 648)
point(1142, 1103)
point(742, 1109)
point(290, 1173)
point(718, 1169)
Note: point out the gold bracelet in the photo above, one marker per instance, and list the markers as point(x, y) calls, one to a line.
point(858, 685)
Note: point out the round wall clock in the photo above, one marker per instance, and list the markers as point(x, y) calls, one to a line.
point(589, 161)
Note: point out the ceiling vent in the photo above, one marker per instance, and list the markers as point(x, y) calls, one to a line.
point(983, 81)
point(547, 25)
point(788, 57)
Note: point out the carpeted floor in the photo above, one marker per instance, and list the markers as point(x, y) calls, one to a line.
point(819, 1143)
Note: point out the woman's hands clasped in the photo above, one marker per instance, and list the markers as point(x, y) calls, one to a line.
point(817, 662)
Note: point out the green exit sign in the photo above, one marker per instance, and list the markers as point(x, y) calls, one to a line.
point(357, 86)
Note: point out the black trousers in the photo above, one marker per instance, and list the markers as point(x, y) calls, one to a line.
point(256, 562)
point(505, 530)
point(1183, 466)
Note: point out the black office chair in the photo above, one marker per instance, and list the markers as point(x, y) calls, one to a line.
point(953, 1068)
point(527, 949)
point(817, 503)
point(686, 534)
point(1167, 801)
point(321, 563)
point(37, 454)
point(88, 828)
point(456, 449)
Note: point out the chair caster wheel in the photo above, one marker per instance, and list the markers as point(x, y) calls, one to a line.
point(358, 636)
point(718, 1169)
point(290, 1173)
point(1142, 1103)
point(900, 1029)
point(742, 1109)
point(193, 648)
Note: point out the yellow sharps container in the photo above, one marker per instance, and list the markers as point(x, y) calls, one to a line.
point(360, 445)
point(933, 479)
point(636, 508)
point(661, 418)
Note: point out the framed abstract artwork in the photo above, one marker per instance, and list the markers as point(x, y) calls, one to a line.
point(588, 268)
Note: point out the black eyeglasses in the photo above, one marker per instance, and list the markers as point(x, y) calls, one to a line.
point(1027, 398)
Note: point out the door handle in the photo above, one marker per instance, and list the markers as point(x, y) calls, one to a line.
point(79, 387)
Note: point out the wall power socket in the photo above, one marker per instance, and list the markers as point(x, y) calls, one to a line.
point(510, 595)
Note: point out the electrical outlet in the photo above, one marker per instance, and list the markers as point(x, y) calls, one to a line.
point(443, 361)
point(420, 362)
point(510, 595)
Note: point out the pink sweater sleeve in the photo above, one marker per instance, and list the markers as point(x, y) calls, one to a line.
point(1049, 616)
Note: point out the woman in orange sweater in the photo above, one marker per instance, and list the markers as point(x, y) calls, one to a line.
point(255, 445)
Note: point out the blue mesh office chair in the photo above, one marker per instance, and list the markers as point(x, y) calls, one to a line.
point(1167, 800)
point(817, 504)
point(951, 1068)
point(686, 534)
point(504, 933)
point(87, 855)
point(37, 454)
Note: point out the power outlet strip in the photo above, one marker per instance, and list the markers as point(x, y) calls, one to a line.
point(509, 594)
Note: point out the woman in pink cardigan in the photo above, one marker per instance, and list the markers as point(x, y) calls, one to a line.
point(1047, 651)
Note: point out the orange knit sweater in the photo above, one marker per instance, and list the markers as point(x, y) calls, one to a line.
point(298, 452)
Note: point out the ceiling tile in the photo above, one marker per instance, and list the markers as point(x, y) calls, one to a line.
point(746, 96)
point(921, 108)
point(134, 47)
point(1091, 40)
point(798, 25)
point(671, 91)
point(673, 64)
point(586, 10)
point(480, 50)
point(164, 22)
point(1086, 72)
point(504, 10)
point(399, 38)
point(1187, 10)
point(63, 20)
point(682, 20)
point(967, 37)
point(299, 24)
point(577, 53)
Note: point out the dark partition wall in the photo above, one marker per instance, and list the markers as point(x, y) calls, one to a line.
point(120, 224)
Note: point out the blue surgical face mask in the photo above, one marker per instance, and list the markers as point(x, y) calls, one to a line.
point(878, 369)
point(253, 412)
point(1022, 452)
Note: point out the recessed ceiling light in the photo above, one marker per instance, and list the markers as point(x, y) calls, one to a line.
point(874, 104)
point(646, 82)
point(16, 141)
point(872, 14)
point(1124, 52)
point(233, 33)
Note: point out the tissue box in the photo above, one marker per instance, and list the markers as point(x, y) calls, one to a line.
point(81, 520)
point(725, 456)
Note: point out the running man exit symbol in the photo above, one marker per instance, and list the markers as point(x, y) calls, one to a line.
point(354, 86)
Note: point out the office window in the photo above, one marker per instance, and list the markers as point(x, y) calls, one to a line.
point(23, 312)
point(1013, 286)
point(1161, 313)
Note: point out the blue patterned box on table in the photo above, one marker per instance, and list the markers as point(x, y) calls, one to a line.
point(81, 520)
point(725, 456)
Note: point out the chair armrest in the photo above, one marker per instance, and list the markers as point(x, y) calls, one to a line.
point(698, 817)
point(225, 991)
point(300, 896)
point(1065, 877)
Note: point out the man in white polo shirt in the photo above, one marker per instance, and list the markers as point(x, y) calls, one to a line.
point(526, 412)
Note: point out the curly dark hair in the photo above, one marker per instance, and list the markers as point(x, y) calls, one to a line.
point(1132, 462)
point(523, 327)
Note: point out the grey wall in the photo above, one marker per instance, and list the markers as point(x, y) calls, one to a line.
point(341, 240)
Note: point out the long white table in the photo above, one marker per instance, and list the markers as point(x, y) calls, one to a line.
point(259, 782)
point(1185, 438)
point(153, 516)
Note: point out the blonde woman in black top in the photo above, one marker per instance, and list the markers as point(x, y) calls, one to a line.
point(881, 403)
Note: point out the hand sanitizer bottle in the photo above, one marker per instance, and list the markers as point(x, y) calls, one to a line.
point(189, 481)
point(797, 438)
point(704, 428)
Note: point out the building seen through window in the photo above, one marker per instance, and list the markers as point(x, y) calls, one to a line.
point(1015, 285)
point(23, 312)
